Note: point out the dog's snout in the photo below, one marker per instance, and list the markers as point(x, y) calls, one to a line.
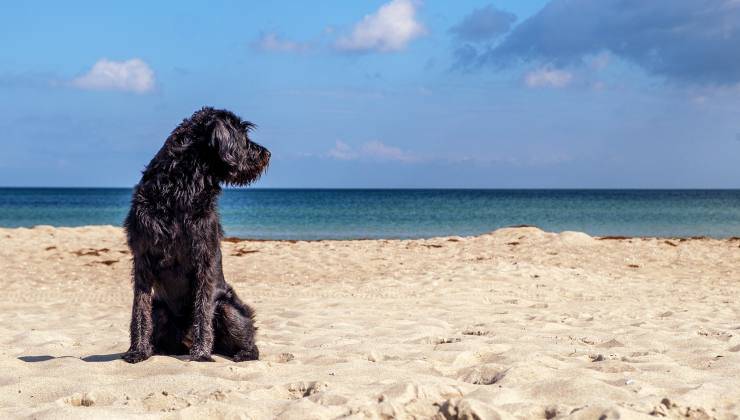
point(262, 151)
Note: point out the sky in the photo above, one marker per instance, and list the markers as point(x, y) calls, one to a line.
point(381, 94)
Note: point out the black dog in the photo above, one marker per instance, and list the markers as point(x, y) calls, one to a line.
point(181, 301)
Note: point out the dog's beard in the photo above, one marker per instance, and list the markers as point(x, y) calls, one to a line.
point(251, 169)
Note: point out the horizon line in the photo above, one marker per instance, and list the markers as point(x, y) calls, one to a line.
point(411, 188)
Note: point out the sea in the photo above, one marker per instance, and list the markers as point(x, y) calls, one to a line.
point(310, 214)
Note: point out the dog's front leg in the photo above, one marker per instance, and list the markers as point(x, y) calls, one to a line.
point(203, 306)
point(141, 316)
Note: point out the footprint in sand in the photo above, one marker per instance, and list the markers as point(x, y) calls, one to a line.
point(305, 389)
point(476, 331)
point(482, 375)
point(716, 334)
point(325, 398)
point(80, 400)
point(285, 357)
point(164, 401)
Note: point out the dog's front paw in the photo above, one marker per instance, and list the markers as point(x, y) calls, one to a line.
point(245, 355)
point(135, 356)
point(200, 356)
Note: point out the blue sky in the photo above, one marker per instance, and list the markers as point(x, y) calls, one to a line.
point(394, 93)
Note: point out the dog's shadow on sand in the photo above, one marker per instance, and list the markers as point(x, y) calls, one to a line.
point(94, 358)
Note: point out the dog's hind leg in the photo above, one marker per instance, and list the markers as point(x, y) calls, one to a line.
point(234, 329)
point(168, 336)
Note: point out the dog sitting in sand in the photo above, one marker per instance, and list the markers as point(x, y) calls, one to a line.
point(182, 304)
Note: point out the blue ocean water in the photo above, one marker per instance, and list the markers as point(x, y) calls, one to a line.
point(344, 214)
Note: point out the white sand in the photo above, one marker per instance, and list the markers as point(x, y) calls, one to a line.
point(518, 324)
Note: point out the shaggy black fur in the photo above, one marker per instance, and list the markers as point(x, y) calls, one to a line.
point(181, 301)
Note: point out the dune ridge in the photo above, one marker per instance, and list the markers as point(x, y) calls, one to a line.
point(517, 323)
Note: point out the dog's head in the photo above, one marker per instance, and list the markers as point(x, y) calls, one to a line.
point(235, 158)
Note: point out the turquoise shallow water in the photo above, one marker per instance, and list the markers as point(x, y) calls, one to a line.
point(344, 214)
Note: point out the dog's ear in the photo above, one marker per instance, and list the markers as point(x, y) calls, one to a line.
point(224, 142)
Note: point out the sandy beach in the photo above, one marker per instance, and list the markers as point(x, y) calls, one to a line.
point(519, 323)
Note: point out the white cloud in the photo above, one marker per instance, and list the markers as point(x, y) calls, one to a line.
point(699, 99)
point(374, 150)
point(273, 43)
point(391, 28)
point(600, 61)
point(548, 77)
point(378, 150)
point(342, 151)
point(131, 75)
